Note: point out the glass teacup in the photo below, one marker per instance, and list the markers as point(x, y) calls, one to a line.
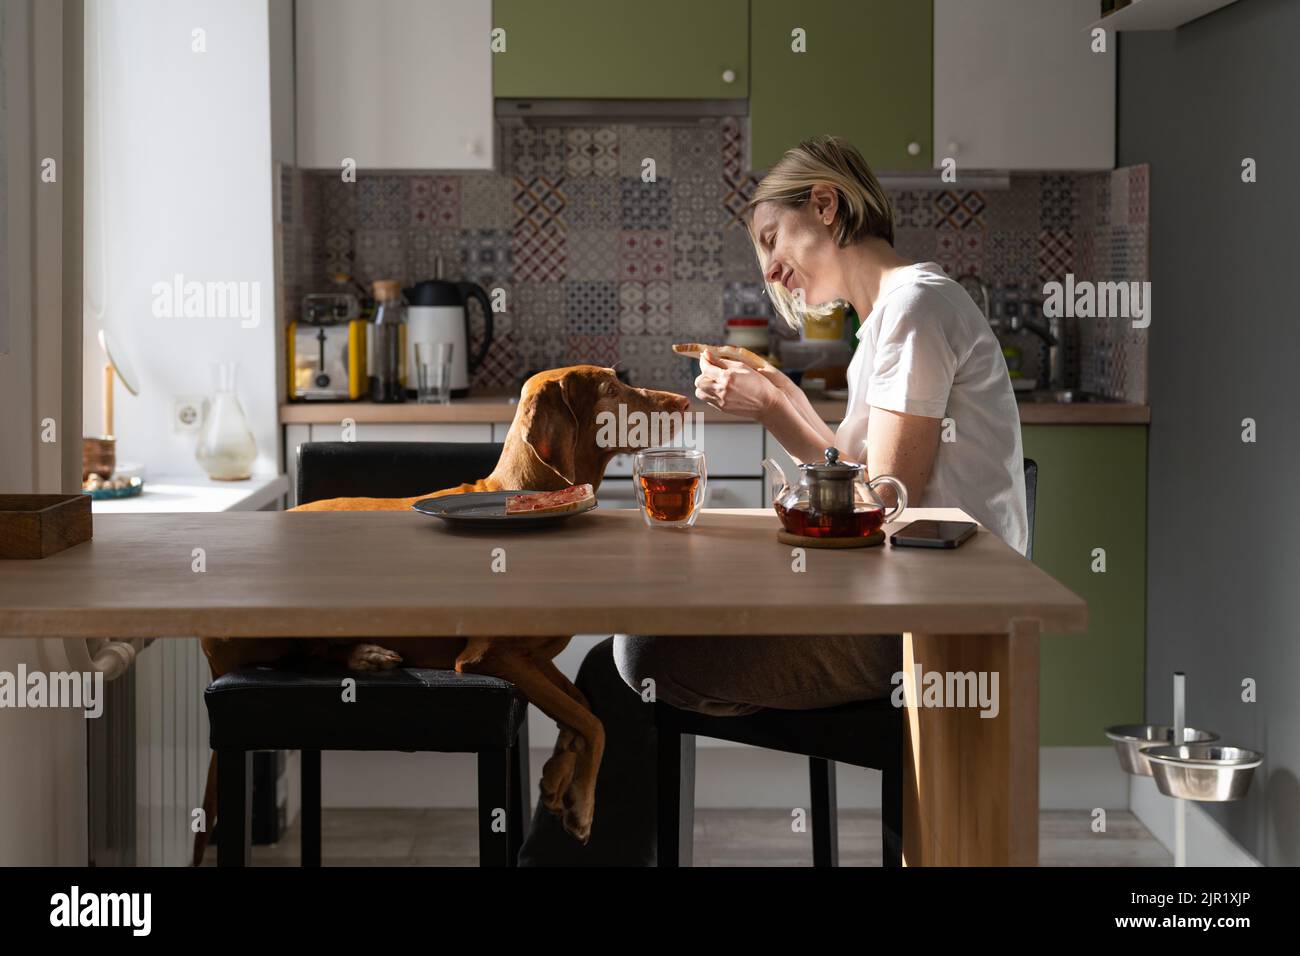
point(670, 485)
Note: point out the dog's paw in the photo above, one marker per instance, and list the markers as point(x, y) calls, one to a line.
point(578, 825)
point(579, 809)
point(557, 776)
point(372, 657)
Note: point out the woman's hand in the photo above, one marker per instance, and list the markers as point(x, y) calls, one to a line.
point(778, 378)
point(736, 388)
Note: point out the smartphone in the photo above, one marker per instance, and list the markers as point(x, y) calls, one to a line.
point(932, 534)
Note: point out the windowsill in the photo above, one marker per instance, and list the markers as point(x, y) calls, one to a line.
point(199, 494)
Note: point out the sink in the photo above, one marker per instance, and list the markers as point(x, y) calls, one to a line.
point(1065, 396)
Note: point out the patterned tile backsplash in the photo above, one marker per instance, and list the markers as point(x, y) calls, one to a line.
point(598, 266)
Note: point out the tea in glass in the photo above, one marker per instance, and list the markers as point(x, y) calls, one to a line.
point(670, 485)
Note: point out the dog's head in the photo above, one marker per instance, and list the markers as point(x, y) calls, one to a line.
point(575, 419)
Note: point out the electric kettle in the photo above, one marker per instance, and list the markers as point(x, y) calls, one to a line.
point(437, 312)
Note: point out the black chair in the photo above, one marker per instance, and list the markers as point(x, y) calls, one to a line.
point(405, 709)
point(861, 734)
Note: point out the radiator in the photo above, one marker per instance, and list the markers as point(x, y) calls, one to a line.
point(148, 758)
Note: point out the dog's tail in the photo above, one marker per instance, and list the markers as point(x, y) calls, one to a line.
point(209, 811)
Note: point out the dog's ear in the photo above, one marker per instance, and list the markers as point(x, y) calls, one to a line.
point(550, 429)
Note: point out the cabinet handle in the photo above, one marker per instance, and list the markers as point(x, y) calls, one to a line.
point(728, 76)
point(953, 147)
point(471, 147)
point(913, 149)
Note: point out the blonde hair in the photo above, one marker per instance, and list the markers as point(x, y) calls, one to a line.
point(862, 209)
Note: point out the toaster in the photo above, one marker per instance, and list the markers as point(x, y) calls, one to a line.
point(327, 350)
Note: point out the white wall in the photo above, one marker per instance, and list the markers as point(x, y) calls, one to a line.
point(179, 179)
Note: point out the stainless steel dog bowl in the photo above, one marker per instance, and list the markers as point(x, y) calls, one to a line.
point(1133, 740)
point(1203, 771)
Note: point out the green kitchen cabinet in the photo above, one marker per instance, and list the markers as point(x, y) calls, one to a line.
point(865, 74)
point(1092, 495)
point(621, 49)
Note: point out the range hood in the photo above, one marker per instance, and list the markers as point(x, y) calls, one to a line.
point(602, 112)
point(650, 112)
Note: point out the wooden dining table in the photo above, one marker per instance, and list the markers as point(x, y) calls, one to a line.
point(970, 781)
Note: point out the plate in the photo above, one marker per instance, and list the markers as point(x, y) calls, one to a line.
point(134, 487)
point(487, 509)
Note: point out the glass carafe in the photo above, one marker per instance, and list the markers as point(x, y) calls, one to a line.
point(226, 448)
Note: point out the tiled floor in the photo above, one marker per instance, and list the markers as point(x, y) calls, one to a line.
point(722, 838)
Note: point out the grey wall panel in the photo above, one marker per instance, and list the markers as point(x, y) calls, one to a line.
point(1223, 521)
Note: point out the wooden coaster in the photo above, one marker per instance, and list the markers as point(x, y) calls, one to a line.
point(803, 541)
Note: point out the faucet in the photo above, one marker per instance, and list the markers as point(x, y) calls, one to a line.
point(1052, 335)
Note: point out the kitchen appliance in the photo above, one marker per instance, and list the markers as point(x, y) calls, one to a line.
point(834, 505)
point(437, 312)
point(824, 359)
point(327, 349)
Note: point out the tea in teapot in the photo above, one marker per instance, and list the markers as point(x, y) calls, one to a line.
point(833, 499)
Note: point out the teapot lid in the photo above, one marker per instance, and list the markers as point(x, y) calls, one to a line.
point(832, 468)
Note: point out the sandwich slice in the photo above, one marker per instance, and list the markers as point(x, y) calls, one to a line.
point(735, 352)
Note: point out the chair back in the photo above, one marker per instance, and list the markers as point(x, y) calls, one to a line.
point(1031, 496)
point(389, 469)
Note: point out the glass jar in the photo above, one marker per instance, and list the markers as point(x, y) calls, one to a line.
point(750, 332)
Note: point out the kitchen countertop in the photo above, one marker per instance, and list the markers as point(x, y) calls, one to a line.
point(501, 408)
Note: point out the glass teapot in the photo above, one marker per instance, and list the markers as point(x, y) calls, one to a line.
point(833, 499)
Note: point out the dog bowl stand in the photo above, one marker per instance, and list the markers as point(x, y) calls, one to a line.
point(1180, 806)
point(1213, 777)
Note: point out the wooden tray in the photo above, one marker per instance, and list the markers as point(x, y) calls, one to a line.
point(37, 526)
point(803, 541)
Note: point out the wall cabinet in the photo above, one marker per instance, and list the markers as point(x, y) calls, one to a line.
point(1017, 86)
point(865, 75)
point(993, 84)
point(598, 49)
point(394, 84)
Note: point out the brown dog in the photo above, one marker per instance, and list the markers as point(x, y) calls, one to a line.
point(552, 443)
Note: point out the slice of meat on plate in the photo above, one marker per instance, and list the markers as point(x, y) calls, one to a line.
point(550, 502)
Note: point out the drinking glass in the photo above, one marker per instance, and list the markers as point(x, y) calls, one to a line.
point(433, 372)
point(670, 484)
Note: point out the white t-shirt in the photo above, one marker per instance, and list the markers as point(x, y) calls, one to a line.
point(926, 349)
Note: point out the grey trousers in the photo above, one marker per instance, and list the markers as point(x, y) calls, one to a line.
point(725, 676)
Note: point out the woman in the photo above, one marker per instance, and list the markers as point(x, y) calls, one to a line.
point(824, 232)
point(930, 402)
